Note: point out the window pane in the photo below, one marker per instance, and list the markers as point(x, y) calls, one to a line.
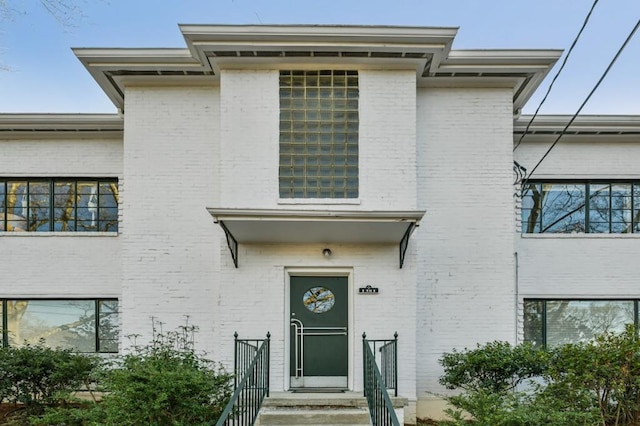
point(2, 204)
point(621, 208)
point(17, 206)
point(64, 202)
point(533, 322)
point(563, 208)
point(578, 321)
point(58, 323)
point(320, 129)
point(109, 328)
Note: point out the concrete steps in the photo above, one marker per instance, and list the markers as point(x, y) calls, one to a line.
point(293, 409)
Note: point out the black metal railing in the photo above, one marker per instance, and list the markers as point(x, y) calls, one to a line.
point(251, 381)
point(376, 382)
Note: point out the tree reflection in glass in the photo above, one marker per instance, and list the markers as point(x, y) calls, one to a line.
point(318, 300)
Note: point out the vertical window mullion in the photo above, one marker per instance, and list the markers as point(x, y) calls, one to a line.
point(4, 323)
point(544, 324)
point(587, 206)
point(75, 206)
point(97, 324)
point(633, 210)
point(28, 204)
point(6, 205)
point(635, 314)
point(52, 209)
point(610, 215)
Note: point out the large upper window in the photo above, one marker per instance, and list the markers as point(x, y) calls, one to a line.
point(78, 324)
point(72, 205)
point(591, 207)
point(549, 323)
point(319, 134)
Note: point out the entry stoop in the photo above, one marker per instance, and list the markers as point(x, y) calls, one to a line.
point(293, 409)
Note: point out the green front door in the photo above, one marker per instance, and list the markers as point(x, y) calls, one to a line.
point(319, 343)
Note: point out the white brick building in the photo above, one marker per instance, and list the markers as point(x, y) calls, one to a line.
point(234, 163)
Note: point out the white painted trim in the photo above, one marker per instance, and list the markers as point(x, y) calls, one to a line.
point(319, 272)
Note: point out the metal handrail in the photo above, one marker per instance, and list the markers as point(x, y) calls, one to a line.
point(251, 384)
point(376, 384)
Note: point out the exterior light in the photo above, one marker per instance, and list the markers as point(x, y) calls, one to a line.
point(326, 252)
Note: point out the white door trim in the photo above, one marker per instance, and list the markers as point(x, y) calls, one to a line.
point(318, 272)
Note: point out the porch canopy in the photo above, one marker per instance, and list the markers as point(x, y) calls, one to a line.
point(256, 226)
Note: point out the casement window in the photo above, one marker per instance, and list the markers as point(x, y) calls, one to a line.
point(581, 207)
point(60, 204)
point(318, 134)
point(549, 323)
point(83, 325)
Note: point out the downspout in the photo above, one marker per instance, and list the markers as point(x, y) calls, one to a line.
point(517, 296)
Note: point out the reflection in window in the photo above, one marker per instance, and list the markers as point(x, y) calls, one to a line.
point(80, 325)
point(319, 125)
point(67, 205)
point(591, 207)
point(551, 323)
point(318, 300)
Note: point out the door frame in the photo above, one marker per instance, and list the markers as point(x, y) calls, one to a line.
point(318, 272)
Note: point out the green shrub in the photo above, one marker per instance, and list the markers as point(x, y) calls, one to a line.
point(35, 375)
point(502, 386)
point(165, 383)
point(494, 367)
point(603, 374)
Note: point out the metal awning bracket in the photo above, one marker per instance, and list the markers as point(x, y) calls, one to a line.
point(404, 242)
point(231, 243)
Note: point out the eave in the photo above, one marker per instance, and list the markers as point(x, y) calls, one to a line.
point(427, 50)
point(264, 226)
point(586, 125)
point(14, 126)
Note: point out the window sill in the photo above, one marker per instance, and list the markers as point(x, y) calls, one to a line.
point(319, 201)
point(57, 234)
point(581, 235)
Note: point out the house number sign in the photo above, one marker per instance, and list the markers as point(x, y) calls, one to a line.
point(368, 290)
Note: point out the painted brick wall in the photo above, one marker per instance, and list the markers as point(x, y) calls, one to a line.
point(254, 299)
point(170, 245)
point(57, 264)
point(387, 140)
point(250, 138)
point(466, 240)
point(597, 158)
point(61, 157)
point(579, 265)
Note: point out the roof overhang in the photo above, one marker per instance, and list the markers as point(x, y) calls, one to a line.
point(255, 226)
point(21, 126)
point(427, 50)
point(583, 124)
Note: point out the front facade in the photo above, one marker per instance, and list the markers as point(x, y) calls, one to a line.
point(317, 183)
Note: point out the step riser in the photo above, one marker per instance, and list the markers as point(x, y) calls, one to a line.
point(317, 417)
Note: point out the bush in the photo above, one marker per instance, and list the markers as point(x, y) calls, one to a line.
point(35, 375)
point(502, 386)
point(594, 383)
point(494, 367)
point(602, 375)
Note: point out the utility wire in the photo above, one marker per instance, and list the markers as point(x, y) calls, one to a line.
point(615, 58)
point(564, 62)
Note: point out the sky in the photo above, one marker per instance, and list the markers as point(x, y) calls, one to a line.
point(40, 74)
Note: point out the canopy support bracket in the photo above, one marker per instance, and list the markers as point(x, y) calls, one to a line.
point(404, 242)
point(231, 243)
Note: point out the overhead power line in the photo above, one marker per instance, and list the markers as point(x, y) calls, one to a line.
point(613, 61)
point(555, 77)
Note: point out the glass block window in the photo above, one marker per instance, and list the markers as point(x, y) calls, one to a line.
point(67, 205)
point(83, 325)
point(581, 207)
point(549, 323)
point(319, 134)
